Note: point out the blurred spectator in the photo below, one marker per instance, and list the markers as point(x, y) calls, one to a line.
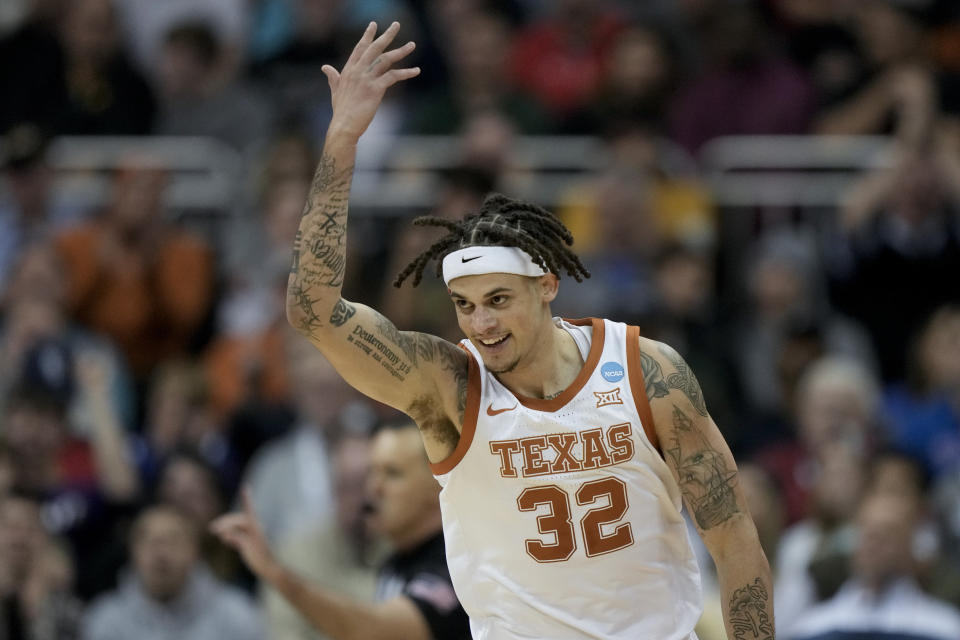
point(36, 39)
point(29, 210)
point(882, 596)
point(170, 594)
point(415, 598)
point(561, 57)
point(899, 233)
point(292, 76)
point(814, 554)
point(79, 81)
point(638, 81)
point(788, 305)
point(147, 22)
point(339, 554)
point(290, 479)
point(192, 99)
point(923, 415)
point(749, 89)
point(36, 576)
point(898, 93)
point(191, 485)
point(84, 484)
point(681, 205)
point(478, 46)
point(179, 417)
point(34, 308)
point(835, 405)
point(627, 241)
point(137, 278)
point(821, 38)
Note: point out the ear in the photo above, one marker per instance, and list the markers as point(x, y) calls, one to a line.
point(549, 285)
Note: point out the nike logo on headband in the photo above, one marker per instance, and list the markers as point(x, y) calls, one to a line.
point(465, 260)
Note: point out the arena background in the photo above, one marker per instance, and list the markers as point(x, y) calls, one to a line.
point(771, 187)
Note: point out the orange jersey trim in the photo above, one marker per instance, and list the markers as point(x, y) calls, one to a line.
point(639, 389)
point(469, 428)
point(596, 349)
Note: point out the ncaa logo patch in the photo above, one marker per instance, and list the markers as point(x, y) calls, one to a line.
point(612, 371)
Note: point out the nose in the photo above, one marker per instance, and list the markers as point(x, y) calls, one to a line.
point(482, 321)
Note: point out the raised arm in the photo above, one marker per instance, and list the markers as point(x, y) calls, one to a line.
point(706, 473)
point(412, 372)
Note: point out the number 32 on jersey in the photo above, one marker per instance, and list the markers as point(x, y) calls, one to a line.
point(558, 521)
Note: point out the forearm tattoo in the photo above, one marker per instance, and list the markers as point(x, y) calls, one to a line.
point(319, 249)
point(707, 482)
point(749, 615)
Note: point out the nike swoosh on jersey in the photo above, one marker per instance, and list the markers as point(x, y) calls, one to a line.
point(492, 412)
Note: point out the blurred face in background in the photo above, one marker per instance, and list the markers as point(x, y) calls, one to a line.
point(165, 551)
point(34, 436)
point(191, 488)
point(479, 45)
point(685, 284)
point(638, 63)
point(402, 493)
point(90, 30)
point(182, 72)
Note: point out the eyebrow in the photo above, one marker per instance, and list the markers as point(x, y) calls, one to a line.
point(489, 294)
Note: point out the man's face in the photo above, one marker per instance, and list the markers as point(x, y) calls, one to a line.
point(402, 492)
point(164, 553)
point(503, 314)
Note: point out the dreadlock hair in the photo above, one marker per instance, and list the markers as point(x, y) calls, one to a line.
point(504, 222)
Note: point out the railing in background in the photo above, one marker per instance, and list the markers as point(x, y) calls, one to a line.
point(742, 171)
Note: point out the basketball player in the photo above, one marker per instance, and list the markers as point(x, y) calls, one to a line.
point(563, 448)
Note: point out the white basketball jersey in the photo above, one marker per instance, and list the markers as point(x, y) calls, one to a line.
point(561, 518)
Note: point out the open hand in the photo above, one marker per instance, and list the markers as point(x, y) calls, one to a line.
point(357, 89)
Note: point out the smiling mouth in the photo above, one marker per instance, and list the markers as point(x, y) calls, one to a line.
point(493, 342)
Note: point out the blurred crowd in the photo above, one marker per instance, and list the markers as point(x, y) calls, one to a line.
point(148, 371)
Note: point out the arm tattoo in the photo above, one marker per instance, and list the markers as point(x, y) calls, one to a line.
point(308, 318)
point(342, 312)
point(425, 348)
point(705, 480)
point(320, 247)
point(389, 331)
point(748, 613)
point(684, 380)
point(451, 363)
point(653, 377)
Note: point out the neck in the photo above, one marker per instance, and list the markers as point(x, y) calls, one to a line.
point(553, 364)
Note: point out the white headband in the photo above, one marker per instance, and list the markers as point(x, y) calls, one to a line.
point(479, 260)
